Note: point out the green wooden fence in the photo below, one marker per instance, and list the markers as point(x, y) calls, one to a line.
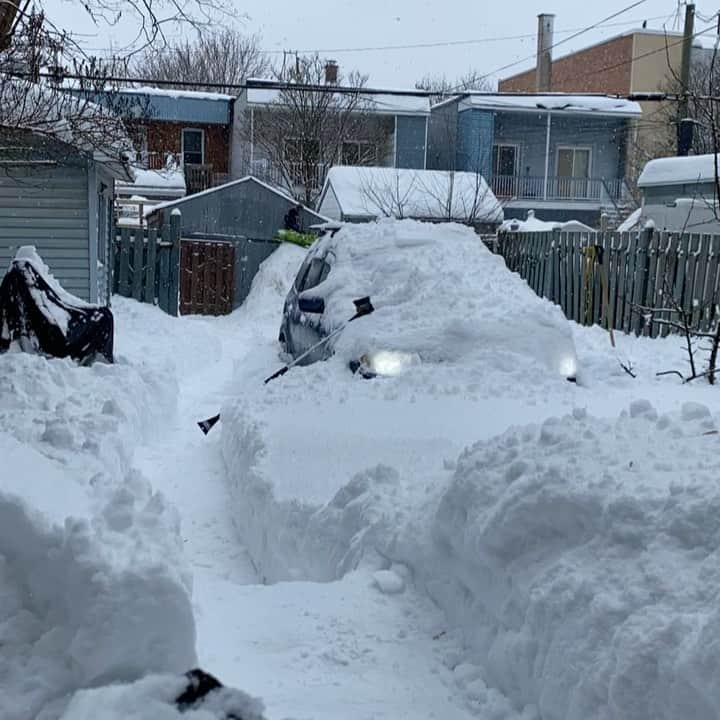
point(147, 265)
point(642, 270)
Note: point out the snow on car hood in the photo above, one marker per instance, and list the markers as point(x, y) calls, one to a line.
point(439, 294)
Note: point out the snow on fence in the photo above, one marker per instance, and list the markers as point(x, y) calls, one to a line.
point(617, 277)
point(147, 265)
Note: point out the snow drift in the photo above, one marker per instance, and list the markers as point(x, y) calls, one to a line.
point(84, 600)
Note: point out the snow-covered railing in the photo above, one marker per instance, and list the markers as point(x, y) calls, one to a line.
point(617, 278)
point(526, 187)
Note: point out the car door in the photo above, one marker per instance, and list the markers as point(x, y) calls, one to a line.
point(308, 329)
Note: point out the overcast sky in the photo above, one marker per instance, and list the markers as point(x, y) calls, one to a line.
point(333, 26)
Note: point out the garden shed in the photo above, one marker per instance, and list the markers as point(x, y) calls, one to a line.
point(58, 197)
point(245, 213)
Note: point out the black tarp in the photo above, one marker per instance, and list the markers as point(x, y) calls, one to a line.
point(42, 318)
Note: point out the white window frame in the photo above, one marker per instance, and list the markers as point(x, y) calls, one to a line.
point(516, 170)
point(574, 148)
point(202, 143)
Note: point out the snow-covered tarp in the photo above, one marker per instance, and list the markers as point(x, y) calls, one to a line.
point(374, 192)
point(561, 103)
point(533, 224)
point(686, 170)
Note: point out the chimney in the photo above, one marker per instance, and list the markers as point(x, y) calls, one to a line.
point(543, 69)
point(331, 72)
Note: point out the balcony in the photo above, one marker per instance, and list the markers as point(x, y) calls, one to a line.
point(198, 177)
point(271, 173)
point(527, 187)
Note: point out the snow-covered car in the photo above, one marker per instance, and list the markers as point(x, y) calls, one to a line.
point(439, 296)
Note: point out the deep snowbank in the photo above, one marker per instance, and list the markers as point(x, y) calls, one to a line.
point(581, 557)
point(93, 583)
point(84, 600)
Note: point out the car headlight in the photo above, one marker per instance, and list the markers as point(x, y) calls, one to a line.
point(568, 367)
point(386, 363)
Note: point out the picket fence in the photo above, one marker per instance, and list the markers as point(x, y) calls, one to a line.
point(147, 265)
point(642, 270)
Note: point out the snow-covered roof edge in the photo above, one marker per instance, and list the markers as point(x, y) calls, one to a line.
point(247, 178)
point(679, 170)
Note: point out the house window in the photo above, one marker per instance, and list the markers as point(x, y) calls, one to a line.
point(359, 153)
point(505, 160)
point(193, 147)
point(573, 172)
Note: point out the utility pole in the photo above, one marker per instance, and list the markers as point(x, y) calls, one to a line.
point(685, 128)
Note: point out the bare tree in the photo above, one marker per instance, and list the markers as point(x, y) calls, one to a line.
point(225, 58)
point(389, 193)
point(302, 131)
point(46, 109)
point(440, 86)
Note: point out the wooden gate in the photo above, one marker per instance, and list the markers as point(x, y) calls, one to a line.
point(207, 277)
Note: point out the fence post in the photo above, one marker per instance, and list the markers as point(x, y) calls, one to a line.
point(641, 277)
point(174, 279)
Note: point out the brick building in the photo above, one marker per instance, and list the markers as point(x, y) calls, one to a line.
point(195, 128)
point(641, 60)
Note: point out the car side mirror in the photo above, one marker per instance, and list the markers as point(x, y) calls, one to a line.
point(314, 305)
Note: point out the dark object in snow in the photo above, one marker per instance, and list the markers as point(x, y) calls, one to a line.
point(38, 315)
point(207, 425)
point(199, 685)
point(292, 219)
point(207, 692)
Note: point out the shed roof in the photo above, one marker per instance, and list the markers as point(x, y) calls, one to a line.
point(371, 192)
point(235, 183)
point(679, 170)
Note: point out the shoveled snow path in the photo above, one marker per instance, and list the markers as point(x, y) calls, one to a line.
point(310, 650)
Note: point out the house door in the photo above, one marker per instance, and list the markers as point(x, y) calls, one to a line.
point(505, 160)
point(573, 171)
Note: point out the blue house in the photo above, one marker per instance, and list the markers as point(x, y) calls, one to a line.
point(563, 156)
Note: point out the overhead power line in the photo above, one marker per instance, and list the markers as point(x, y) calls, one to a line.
point(582, 31)
point(427, 45)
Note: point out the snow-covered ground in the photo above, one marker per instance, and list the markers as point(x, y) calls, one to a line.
point(486, 542)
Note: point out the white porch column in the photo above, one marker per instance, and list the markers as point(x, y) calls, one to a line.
point(252, 139)
point(547, 156)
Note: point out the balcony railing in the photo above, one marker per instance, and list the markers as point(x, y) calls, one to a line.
point(294, 174)
point(527, 187)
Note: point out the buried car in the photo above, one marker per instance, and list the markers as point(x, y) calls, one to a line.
point(439, 296)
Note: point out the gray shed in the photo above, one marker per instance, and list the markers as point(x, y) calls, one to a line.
point(247, 208)
point(246, 213)
point(59, 199)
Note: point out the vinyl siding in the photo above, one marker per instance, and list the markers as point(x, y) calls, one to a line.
point(47, 208)
point(330, 207)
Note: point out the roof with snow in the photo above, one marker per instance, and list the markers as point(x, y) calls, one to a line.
point(378, 101)
point(364, 193)
point(167, 183)
point(220, 188)
point(679, 170)
point(556, 102)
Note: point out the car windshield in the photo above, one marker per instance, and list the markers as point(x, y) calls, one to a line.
point(359, 360)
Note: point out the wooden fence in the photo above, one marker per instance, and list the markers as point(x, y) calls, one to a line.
point(147, 265)
point(642, 270)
